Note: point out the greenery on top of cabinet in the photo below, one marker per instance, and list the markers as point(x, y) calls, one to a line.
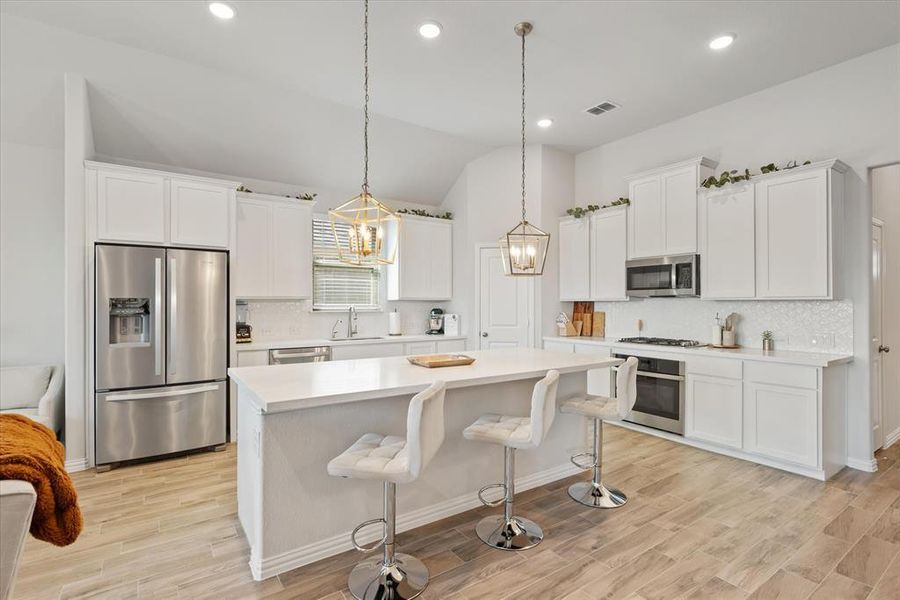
point(424, 213)
point(579, 211)
point(732, 176)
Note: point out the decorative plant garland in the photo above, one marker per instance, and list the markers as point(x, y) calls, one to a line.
point(307, 196)
point(728, 177)
point(424, 213)
point(580, 211)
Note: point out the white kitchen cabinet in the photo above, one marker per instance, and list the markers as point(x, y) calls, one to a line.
point(274, 247)
point(146, 206)
point(781, 422)
point(574, 259)
point(662, 216)
point(199, 214)
point(727, 242)
point(446, 346)
point(350, 352)
point(598, 380)
point(414, 348)
point(608, 249)
point(793, 235)
point(714, 410)
point(423, 266)
point(253, 358)
point(565, 347)
point(131, 206)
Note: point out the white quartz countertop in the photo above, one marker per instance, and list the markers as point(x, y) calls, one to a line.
point(278, 344)
point(814, 359)
point(306, 385)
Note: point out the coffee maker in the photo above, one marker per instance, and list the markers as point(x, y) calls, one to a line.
point(436, 322)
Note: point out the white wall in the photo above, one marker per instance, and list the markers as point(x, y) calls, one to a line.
point(886, 200)
point(31, 254)
point(848, 111)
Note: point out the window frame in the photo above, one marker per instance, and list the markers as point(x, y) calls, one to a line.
point(325, 258)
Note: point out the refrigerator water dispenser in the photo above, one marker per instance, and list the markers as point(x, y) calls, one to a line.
point(129, 321)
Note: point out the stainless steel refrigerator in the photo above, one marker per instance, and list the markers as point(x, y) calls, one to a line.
point(161, 339)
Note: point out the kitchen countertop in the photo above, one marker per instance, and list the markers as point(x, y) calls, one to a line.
point(282, 388)
point(277, 344)
point(814, 359)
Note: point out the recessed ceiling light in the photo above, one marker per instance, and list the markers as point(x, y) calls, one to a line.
point(545, 123)
point(723, 41)
point(430, 30)
point(221, 10)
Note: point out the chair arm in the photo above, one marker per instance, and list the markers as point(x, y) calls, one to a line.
point(51, 403)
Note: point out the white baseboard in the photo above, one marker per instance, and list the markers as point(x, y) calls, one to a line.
point(304, 555)
point(890, 438)
point(78, 464)
point(859, 464)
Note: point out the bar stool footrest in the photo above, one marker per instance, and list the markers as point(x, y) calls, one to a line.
point(375, 546)
point(489, 487)
point(574, 459)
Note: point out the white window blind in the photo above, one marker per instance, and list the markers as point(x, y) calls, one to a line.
point(336, 285)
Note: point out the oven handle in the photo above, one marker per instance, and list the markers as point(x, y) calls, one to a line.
point(656, 375)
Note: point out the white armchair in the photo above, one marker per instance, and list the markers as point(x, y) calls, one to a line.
point(17, 499)
point(36, 392)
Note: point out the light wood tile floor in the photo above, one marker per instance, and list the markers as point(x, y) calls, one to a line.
point(697, 525)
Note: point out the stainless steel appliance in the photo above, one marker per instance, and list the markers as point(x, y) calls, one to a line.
point(662, 342)
point(665, 276)
point(161, 350)
point(288, 356)
point(436, 322)
point(660, 394)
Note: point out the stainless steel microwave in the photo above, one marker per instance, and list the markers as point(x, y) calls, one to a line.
point(664, 276)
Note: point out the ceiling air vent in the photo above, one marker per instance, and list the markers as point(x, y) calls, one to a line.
point(603, 107)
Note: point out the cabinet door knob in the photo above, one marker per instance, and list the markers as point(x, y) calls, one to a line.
point(484, 334)
point(884, 349)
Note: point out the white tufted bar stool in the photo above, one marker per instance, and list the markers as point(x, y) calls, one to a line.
point(600, 408)
point(394, 460)
point(508, 531)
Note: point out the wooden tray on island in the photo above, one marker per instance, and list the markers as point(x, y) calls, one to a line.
point(432, 361)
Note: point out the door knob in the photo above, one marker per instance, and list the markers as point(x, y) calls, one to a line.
point(484, 334)
point(884, 349)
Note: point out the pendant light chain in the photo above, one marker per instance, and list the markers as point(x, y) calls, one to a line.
point(365, 185)
point(523, 129)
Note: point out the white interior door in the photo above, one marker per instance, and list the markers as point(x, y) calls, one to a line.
point(505, 304)
point(876, 314)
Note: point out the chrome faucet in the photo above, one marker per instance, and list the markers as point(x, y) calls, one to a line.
point(335, 328)
point(352, 322)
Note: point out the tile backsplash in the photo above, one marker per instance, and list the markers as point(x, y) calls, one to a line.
point(295, 320)
point(817, 326)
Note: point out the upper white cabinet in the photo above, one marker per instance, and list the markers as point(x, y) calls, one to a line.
point(423, 266)
point(608, 254)
point(199, 213)
point(273, 258)
point(592, 256)
point(727, 243)
point(794, 234)
point(131, 206)
point(662, 216)
point(777, 237)
point(574, 258)
point(154, 207)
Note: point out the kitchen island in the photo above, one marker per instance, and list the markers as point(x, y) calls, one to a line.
point(293, 419)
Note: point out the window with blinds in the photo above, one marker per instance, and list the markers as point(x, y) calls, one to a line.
point(337, 286)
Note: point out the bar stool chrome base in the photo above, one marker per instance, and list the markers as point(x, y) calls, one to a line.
point(517, 533)
point(372, 580)
point(596, 495)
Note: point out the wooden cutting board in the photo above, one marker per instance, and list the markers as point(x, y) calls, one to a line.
point(433, 361)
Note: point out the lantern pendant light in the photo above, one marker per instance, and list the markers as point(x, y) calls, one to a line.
point(363, 227)
point(524, 247)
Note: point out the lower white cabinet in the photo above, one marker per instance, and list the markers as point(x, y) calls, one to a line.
point(253, 358)
point(598, 380)
point(713, 410)
point(567, 347)
point(350, 352)
point(451, 346)
point(781, 422)
point(414, 348)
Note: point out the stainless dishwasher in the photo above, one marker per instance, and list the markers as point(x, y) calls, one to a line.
point(289, 356)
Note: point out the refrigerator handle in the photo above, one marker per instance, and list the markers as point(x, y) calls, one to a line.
point(173, 312)
point(157, 316)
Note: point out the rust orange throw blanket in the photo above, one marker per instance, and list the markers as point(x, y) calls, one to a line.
point(29, 451)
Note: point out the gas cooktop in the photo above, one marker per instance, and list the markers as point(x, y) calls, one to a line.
point(662, 342)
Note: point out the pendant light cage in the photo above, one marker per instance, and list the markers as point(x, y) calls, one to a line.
point(365, 230)
point(524, 247)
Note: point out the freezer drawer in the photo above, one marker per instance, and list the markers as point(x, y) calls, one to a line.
point(149, 422)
